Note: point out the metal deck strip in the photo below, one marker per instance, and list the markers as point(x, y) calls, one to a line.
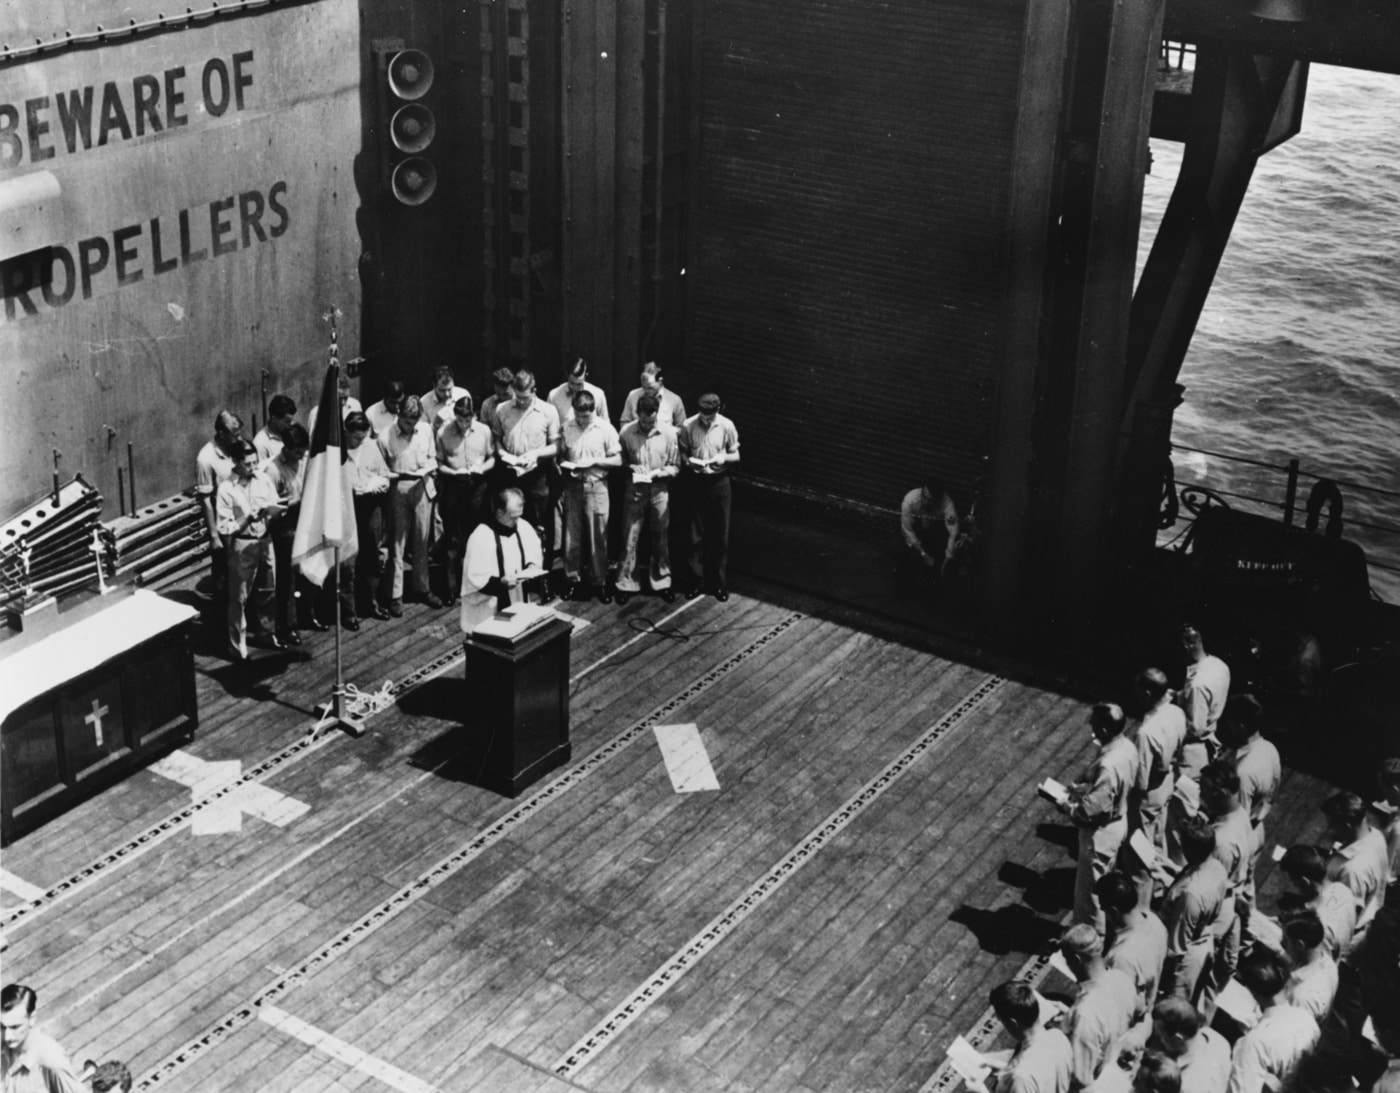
point(728, 920)
point(449, 866)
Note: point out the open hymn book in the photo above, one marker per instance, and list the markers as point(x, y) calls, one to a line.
point(1053, 791)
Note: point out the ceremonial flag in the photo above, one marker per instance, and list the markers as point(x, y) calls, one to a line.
point(327, 518)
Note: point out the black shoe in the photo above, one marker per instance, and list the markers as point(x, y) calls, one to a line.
point(604, 596)
point(289, 637)
point(268, 641)
point(378, 612)
point(396, 609)
point(667, 595)
point(547, 597)
point(350, 622)
point(694, 593)
point(570, 591)
point(316, 624)
point(622, 598)
point(432, 599)
point(721, 594)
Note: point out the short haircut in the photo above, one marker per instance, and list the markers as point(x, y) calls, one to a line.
point(242, 449)
point(1157, 1073)
point(709, 403)
point(583, 403)
point(1190, 632)
point(503, 498)
point(1116, 892)
point(1262, 972)
point(464, 403)
point(1223, 776)
point(1153, 683)
point(523, 381)
point(1305, 862)
point(1178, 1017)
point(393, 391)
point(16, 994)
point(503, 376)
point(1081, 939)
point(1346, 808)
point(411, 406)
point(1390, 772)
point(648, 404)
point(281, 406)
point(578, 369)
point(227, 420)
point(1197, 838)
point(442, 372)
point(1014, 1002)
point(1304, 929)
point(1244, 709)
point(342, 381)
point(295, 437)
point(111, 1075)
point(1109, 715)
point(652, 369)
point(356, 422)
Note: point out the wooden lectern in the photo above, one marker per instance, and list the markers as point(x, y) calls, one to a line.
point(519, 706)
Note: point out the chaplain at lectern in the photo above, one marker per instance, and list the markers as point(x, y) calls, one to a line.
point(502, 554)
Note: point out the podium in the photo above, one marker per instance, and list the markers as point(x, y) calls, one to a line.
point(520, 703)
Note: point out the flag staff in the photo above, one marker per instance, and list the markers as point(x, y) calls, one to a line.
point(326, 530)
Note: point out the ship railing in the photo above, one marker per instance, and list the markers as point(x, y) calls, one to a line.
point(1279, 491)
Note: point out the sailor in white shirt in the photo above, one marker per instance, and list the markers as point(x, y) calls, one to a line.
point(1202, 1055)
point(1312, 983)
point(1266, 1056)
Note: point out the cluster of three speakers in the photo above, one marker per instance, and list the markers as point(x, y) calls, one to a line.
point(405, 78)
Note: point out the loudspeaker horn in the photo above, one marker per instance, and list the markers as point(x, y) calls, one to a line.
point(410, 74)
point(412, 128)
point(414, 181)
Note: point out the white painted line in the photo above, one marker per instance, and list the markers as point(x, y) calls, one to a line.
point(22, 888)
point(687, 761)
point(348, 1054)
point(207, 777)
point(633, 641)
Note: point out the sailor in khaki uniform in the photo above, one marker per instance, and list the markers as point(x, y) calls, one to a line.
point(1160, 737)
point(1203, 699)
point(1190, 909)
point(1266, 1056)
point(1099, 807)
point(1362, 862)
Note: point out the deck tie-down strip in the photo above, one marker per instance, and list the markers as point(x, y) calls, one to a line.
point(450, 865)
point(732, 916)
point(176, 821)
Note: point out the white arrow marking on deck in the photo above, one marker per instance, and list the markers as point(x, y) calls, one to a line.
point(22, 888)
point(348, 1054)
point(205, 777)
point(687, 761)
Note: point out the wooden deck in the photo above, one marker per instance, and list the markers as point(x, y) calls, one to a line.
point(874, 860)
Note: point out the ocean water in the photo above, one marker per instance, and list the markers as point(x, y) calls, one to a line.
point(1297, 354)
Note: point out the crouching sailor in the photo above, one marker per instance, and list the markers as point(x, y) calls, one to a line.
point(502, 554)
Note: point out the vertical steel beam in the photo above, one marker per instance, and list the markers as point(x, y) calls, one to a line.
point(1108, 215)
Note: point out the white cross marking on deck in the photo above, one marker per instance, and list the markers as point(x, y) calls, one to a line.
point(206, 777)
point(348, 1054)
point(687, 761)
point(94, 719)
point(22, 888)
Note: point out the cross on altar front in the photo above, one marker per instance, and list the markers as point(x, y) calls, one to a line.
point(94, 719)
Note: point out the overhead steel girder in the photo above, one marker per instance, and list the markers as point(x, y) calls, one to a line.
point(1352, 33)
